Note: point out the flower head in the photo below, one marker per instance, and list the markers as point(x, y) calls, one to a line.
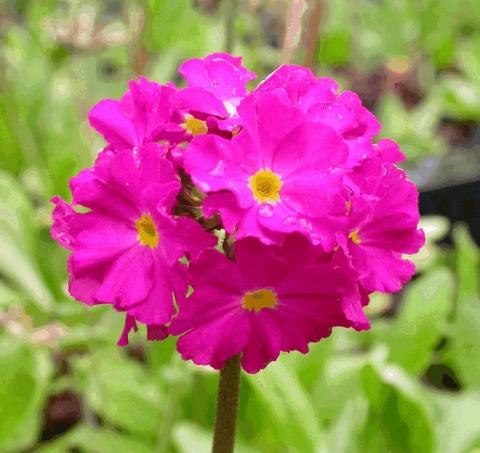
point(220, 75)
point(145, 114)
point(269, 300)
point(319, 100)
point(316, 213)
point(383, 220)
point(126, 249)
point(283, 174)
point(216, 86)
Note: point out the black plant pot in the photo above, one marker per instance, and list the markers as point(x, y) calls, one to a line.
point(450, 185)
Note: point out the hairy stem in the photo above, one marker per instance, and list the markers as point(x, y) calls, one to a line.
point(227, 404)
point(316, 13)
point(293, 30)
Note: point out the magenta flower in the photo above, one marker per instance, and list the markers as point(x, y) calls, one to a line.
point(216, 86)
point(270, 299)
point(283, 176)
point(145, 114)
point(220, 81)
point(319, 100)
point(62, 214)
point(383, 222)
point(316, 213)
point(126, 249)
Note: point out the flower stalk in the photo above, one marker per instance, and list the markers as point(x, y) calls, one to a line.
point(230, 12)
point(227, 406)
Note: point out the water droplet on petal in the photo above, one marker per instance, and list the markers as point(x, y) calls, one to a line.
point(219, 168)
point(204, 187)
point(136, 156)
point(266, 210)
point(230, 108)
point(316, 238)
point(305, 224)
point(291, 221)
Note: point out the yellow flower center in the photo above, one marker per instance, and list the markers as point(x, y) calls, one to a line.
point(265, 186)
point(259, 299)
point(194, 126)
point(147, 231)
point(354, 236)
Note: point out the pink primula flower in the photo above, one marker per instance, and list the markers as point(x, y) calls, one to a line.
point(126, 249)
point(145, 114)
point(383, 222)
point(316, 213)
point(270, 299)
point(280, 178)
point(62, 214)
point(216, 83)
point(216, 86)
point(319, 100)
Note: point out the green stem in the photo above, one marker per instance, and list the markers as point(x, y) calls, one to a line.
point(230, 11)
point(227, 405)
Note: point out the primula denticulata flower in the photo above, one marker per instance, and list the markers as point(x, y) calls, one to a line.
point(313, 212)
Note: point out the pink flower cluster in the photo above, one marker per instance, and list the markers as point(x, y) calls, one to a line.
point(244, 222)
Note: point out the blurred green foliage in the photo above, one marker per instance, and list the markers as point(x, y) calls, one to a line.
point(410, 384)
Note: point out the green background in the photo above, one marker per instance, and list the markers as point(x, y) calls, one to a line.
point(410, 384)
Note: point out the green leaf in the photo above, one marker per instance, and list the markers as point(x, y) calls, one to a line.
point(435, 227)
point(24, 377)
point(465, 342)
point(401, 415)
point(335, 387)
point(460, 98)
point(336, 40)
point(89, 439)
point(377, 22)
point(191, 438)
point(289, 406)
point(467, 257)
point(468, 56)
point(7, 296)
point(416, 129)
point(17, 262)
point(458, 426)
point(175, 26)
point(343, 434)
point(465, 332)
point(120, 391)
point(437, 34)
point(422, 319)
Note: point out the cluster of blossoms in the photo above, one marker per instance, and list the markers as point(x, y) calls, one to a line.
point(244, 222)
